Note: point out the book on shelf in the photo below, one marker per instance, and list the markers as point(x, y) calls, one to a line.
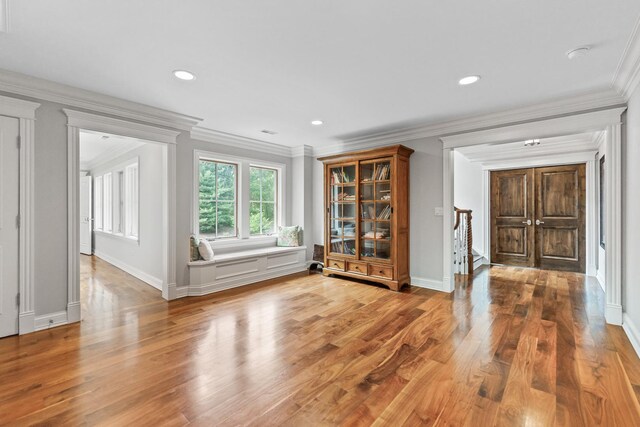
point(385, 213)
point(381, 173)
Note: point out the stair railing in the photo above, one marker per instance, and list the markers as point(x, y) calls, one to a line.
point(463, 242)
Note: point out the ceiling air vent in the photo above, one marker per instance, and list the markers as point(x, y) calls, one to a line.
point(269, 132)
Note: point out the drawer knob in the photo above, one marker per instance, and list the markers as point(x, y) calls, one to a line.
point(381, 272)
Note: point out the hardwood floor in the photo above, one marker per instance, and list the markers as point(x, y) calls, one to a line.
point(516, 347)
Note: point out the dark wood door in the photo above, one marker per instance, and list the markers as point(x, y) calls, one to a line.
point(560, 218)
point(538, 217)
point(512, 216)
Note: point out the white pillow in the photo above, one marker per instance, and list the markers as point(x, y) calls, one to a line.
point(204, 247)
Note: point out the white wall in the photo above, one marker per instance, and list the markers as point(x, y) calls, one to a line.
point(469, 194)
point(143, 259)
point(631, 208)
point(425, 195)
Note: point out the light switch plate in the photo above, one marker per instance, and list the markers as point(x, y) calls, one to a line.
point(438, 211)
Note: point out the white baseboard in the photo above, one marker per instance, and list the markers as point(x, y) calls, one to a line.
point(600, 278)
point(26, 323)
point(51, 320)
point(421, 282)
point(613, 314)
point(73, 312)
point(145, 277)
point(632, 332)
point(182, 291)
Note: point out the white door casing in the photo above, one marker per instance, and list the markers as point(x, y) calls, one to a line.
point(9, 225)
point(86, 215)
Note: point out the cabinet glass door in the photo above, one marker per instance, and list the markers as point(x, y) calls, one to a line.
point(342, 210)
point(375, 209)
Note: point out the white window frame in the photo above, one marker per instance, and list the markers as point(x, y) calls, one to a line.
point(118, 205)
point(132, 201)
point(243, 237)
point(98, 201)
point(261, 202)
point(107, 202)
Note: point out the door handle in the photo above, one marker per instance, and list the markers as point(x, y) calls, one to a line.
point(528, 222)
point(538, 222)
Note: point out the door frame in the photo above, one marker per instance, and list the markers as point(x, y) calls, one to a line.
point(78, 120)
point(591, 207)
point(25, 112)
point(609, 121)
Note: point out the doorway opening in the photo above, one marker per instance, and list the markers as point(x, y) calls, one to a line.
point(120, 204)
point(537, 217)
point(535, 205)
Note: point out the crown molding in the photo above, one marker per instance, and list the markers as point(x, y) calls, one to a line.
point(587, 102)
point(542, 128)
point(98, 123)
point(237, 141)
point(40, 89)
point(542, 160)
point(302, 151)
point(627, 76)
point(18, 108)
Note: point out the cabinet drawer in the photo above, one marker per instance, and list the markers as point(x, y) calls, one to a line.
point(357, 267)
point(381, 271)
point(335, 264)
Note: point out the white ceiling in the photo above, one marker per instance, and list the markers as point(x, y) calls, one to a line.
point(359, 65)
point(96, 148)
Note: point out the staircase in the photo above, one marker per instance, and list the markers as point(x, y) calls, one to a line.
point(463, 257)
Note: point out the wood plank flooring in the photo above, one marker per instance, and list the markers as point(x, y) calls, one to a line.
point(517, 347)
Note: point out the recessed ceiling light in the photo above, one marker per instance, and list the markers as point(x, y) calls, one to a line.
point(468, 80)
point(317, 122)
point(578, 52)
point(184, 75)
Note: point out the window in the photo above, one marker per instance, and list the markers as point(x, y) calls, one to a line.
point(131, 207)
point(117, 202)
point(97, 194)
point(236, 201)
point(217, 199)
point(107, 206)
point(262, 200)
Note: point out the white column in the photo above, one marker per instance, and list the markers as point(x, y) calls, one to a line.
point(301, 193)
point(169, 185)
point(447, 223)
point(613, 236)
point(73, 224)
point(26, 321)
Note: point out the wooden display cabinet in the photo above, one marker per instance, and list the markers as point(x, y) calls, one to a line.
point(366, 197)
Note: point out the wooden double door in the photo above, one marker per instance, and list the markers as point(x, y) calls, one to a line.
point(538, 217)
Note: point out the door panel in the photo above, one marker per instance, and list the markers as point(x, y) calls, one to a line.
point(560, 212)
point(512, 200)
point(9, 231)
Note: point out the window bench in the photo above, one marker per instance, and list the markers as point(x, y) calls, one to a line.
point(234, 269)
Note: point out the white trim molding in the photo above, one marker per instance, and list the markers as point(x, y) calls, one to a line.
point(632, 332)
point(554, 108)
point(627, 76)
point(237, 141)
point(608, 121)
point(51, 320)
point(135, 272)
point(46, 90)
point(77, 120)
point(25, 112)
point(448, 282)
point(421, 282)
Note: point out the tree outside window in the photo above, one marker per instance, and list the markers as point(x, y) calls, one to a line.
point(262, 203)
point(217, 199)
